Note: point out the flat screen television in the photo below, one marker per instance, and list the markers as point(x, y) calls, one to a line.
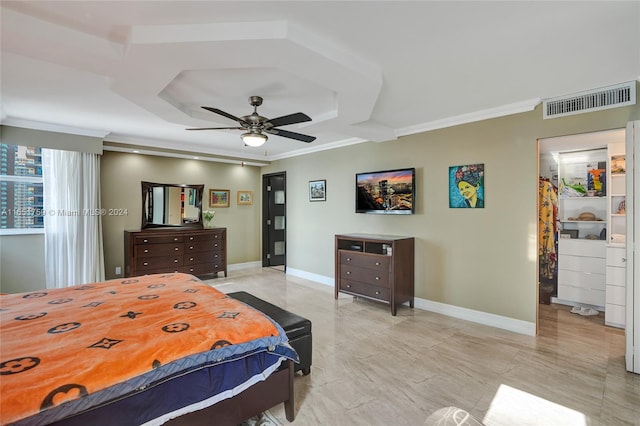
point(386, 191)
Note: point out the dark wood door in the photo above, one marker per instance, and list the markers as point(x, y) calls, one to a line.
point(274, 223)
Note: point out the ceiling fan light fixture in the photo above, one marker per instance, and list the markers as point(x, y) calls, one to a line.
point(254, 139)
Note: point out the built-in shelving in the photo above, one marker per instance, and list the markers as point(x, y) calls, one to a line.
point(582, 209)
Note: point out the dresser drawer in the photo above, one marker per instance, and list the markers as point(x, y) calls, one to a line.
point(210, 236)
point(203, 268)
point(161, 264)
point(584, 280)
point(202, 257)
point(380, 263)
point(365, 275)
point(616, 257)
point(616, 295)
point(581, 295)
point(594, 265)
point(157, 250)
point(368, 290)
point(614, 315)
point(579, 247)
point(616, 276)
point(157, 239)
point(199, 246)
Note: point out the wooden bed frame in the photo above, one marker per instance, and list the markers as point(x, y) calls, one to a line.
point(277, 388)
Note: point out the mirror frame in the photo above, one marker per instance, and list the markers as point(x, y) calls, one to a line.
point(146, 186)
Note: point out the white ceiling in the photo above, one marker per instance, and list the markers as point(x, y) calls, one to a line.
point(137, 72)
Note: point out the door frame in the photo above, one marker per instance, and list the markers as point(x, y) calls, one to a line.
point(632, 330)
point(265, 217)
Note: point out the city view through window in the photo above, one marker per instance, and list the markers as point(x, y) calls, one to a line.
point(21, 197)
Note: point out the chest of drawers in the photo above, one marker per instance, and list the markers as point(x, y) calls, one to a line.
point(581, 271)
point(614, 314)
point(376, 267)
point(193, 251)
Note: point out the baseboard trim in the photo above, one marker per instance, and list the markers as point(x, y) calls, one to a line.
point(245, 265)
point(311, 277)
point(479, 317)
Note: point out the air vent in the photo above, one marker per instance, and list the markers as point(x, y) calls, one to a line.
point(592, 100)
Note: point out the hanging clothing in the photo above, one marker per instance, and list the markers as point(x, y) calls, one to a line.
point(547, 227)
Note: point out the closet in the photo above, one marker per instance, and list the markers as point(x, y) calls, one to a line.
point(581, 223)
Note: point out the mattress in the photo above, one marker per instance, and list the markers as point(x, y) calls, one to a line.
point(146, 348)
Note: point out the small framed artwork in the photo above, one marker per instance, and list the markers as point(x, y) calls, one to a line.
point(466, 186)
point(218, 198)
point(318, 190)
point(245, 197)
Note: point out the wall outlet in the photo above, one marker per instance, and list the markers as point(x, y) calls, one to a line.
point(118, 270)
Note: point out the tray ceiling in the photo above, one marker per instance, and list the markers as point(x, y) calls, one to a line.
point(137, 72)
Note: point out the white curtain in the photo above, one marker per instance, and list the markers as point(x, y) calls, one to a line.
point(73, 219)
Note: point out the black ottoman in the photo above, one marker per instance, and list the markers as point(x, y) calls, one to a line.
point(298, 329)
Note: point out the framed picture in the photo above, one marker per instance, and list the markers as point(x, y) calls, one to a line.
point(318, 190)
point(245, 197)
point(218, 198)
point(466, 186)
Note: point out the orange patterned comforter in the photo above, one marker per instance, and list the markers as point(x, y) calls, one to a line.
point(59, 345)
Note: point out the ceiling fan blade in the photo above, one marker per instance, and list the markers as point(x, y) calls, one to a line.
point(226, 114)
point(298, 117)
point(291, 135)
point(218, 128)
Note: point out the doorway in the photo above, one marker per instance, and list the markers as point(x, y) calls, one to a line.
point(575, 251)
point(274, 234)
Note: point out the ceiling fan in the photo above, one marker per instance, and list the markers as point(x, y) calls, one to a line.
point(257, 125)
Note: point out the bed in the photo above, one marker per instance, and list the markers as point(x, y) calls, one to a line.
point(157, 349)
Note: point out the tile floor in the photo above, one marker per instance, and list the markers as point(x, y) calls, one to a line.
point(370, 368)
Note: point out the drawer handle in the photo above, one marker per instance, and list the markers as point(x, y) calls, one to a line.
point(348, 259)
point(215, 256)
point(175, 239)
point(377, 263)
point(190, 238)
point(215, 245)
point(377, 292)
point(348, 272)
point(145, 241)
point(175, 260)
point(624, 259)
point(145, 263)
point(191, 259)
point(190, 269)
point(190, 247)
point(348, 285)
point(176, 248)
point(377, 278)
point(146, 250)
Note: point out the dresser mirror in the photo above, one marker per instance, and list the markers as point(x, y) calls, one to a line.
point(171, 205)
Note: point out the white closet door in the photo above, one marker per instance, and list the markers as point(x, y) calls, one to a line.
point(633, 239)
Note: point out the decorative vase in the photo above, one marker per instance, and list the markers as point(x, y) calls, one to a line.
point(207, 218)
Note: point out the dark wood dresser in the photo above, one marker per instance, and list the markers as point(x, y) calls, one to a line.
point(192, 251)
point(377, 267)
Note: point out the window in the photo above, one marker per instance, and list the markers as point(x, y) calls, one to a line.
point(21, 206)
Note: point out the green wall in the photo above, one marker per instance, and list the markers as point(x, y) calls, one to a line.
point(21, 263)
point(120, 177)
point(484, 260)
